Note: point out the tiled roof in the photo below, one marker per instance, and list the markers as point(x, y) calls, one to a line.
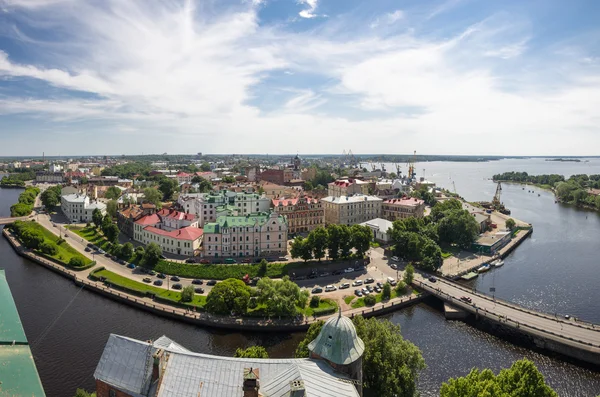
point(187, 233)
point(149, 220)
point(407, 202)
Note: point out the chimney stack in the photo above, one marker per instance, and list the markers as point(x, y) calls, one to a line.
point(251, 382)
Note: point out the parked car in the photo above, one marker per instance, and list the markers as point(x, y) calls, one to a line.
point(356, 283)
point(330, 288)
point(177, 286)
point(337, 272)
point(358, 292)
point(432, 279)
point(377, 289)
point(211, 282)
point(344, 285)
point(147, 280)
point(349, 270)
point(271, 259)
point(161, 275)
point(380, 284)
point(190, 260)
point(101, 251)
point(199, 290)
point(122, 262)
point(369, 288)
point(174, 278)
point(204, 261)
point(88, 249)
point(90, 245)
point(197, 282)
point(131, 266)
point(317, 290)
point(465, 299)
point(369, 280)
point(152, 273)
point(393, 266)
point(158, 282)
point(230, 261)
point(395, 258)
point(106, 254)
point(246, 260)
point(163, 257)
point(324, 274)
point(365, 291)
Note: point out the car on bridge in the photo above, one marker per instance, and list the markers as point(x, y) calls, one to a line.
point(432, 279)
point(465, 299)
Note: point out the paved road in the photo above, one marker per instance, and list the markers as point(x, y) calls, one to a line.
point(512, 314)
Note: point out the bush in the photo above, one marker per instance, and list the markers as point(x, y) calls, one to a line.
point(401, 288)
point(126, 251)
point(252, 303)
point(187, 295)
point(139, 251)
point(49, 248)
point(76, 262)
point(324, 311)
point(60, 240)
point(387, 292)
point(314, 301)
point(370, 300)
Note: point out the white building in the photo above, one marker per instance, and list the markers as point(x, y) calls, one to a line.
point(204, 205)
point(350, 210)
point(78, 208)
point(381, 229)
point(176, 232)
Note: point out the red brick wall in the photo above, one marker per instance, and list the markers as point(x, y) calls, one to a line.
point(273, 176)
point(102, 390)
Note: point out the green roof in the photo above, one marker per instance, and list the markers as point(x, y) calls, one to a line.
point(18, 374)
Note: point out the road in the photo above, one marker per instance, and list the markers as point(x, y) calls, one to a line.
point(512, 314)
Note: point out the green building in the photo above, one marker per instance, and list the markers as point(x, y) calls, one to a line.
point(18, 374)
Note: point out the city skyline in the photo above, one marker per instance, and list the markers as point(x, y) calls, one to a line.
point(454, 77)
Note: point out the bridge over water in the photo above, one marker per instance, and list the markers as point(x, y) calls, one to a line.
point(569, 337)
point(6, 221)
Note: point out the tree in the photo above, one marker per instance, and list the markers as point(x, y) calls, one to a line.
point(32, 238)
point(387, 292)
point(510, 223)
point(345, 241)
point(390, 363)
point(112, 233)
point(263, 265)
point(49, 198)
point(522, 379)
point(20, 209)
point(409, 274)
point(152, 255)
point(317, 239)
point(370, 300)
point(126, 251)
point(280, 297)
point(76, 262)
point(458, 227)
point(168, 186)
point(205, 167)
point(228, 297)
point(333, 241)
point(83, 393)
point(308, 186)
point(106, 222)
point(97, 217)
point(187, 294)
point(49, 248)
point(111, 208)
point(228, 179)
point(112, 193)
point(300, 248)
point(152, 196)
point(361, 239)
point(251, 352)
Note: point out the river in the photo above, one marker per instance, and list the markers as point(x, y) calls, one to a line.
point(552, 271)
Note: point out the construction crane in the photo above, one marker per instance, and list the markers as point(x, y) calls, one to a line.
point(496, 203)
point(412, 171)
point(398, 172)
point(382, 167)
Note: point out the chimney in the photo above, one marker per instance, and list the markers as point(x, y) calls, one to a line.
point(156, 365)
point(297, 388)
point(251, 382)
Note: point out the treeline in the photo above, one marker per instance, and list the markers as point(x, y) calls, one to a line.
point(419, 239)
point(337, 241)
point(26, 201)
point(18, 179)
point(575, 190)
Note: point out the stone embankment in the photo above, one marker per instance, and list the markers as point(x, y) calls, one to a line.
point(203, 318)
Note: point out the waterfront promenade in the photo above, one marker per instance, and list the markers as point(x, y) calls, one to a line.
point(572, 338)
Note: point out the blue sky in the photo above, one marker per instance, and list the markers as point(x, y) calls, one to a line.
point(309, 76)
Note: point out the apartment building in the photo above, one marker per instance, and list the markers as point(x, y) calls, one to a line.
point(303, 213)
point(347, 187)
point(400, 208)
point(350, 210)
point(78, 208)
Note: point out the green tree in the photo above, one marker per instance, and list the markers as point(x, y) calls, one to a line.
point(97, 217)
point(106, 222)
point(317, 239)
point(387, 292)
point(458, 227)
point(113, 193)
point(76, 262)
point(280, 297)
point(370, 300)
point(49, 248)
point(522, 379)
point(20, 209)
point(598, 202)
point(510, 224)
point(390, 363)
point(32, 238)
point(112, 233)
point(401, 288)
point(251, 352)
point(187, 294)
point(333, 241)
point(361, 239)
point(126, 251)
point(111, 208)
point(409, 274)
point(227, 297)
point(152, 255)
point(345, 241)
point(168, 186)
point(153, 196)
point(300, 248)
point(228, 179)
point(83, 393)
point(205, 167)
point(49, 198)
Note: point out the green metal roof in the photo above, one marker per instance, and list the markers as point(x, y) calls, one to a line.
point(10, 323)
point(337, 342)
point(18, 374)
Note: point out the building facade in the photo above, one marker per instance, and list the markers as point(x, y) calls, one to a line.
point(49, 177)
point(254, 235)
point(401, 208)
point(79, 208)
point(347, 187)
point(176, 232)
point(273, 175)
point(381, 229)
point(303, 214)
point(350, 210)
point(204, 205)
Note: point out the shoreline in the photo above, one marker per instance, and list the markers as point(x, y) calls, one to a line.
point(202, 318)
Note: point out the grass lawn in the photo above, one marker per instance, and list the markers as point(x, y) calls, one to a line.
point(323, 304)
point(349, 299)
point(113, 278)
point(65, 251)
point(91, 235)
point(360, 302)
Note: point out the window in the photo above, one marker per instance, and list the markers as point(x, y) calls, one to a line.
point(268, 237)
point(112, 393)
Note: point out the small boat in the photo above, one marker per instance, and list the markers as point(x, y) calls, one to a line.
point(469, 276)
point(498, 262)
point(538, 195)
point(484, 268)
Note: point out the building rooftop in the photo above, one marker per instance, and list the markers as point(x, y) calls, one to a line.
point(293, 201)
point(380, 224)
point(258, 218)
point(75, 198)
point(18, 374)
point(405, 202)
point(186, 233)
point(357, 198)
point(337, 342)
point(127, 364)
point(149, 220)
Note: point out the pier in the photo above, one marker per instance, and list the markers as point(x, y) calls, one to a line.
point(569, 337)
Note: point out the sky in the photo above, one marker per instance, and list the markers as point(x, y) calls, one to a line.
point(451, 77)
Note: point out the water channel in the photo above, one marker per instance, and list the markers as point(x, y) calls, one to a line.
point(554, 271)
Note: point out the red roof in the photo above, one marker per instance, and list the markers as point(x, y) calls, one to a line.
point(186, 233)
point(410, 202)
point(166, 213)
point(293, 201)
point(148, 220)
point(181, 173)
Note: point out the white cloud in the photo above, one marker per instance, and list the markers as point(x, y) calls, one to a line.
point(310, 11)
point(389, 18)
